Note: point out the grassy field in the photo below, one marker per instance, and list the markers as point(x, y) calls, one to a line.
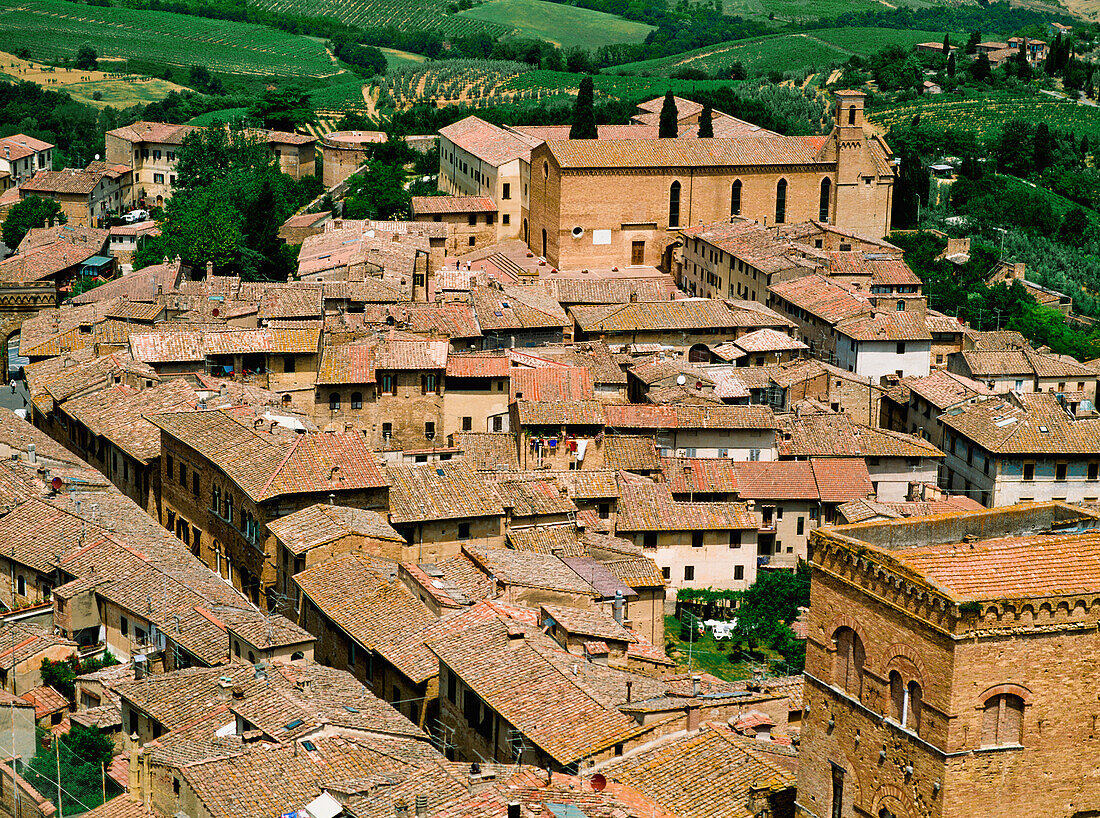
point(397, 59)
point(986, 114)
point(784, 52)
point(52, 29)
point(609, 85)
point(118, 91)
point(224, 115)
point(407, 15)
point(566, 26)
point(809, 10)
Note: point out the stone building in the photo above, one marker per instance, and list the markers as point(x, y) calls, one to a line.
point(344, 152)
point(21, 157)
point(949, 667)
point(618, 203)
point(471, 220)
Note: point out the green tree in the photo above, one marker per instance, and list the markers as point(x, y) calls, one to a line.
point(215, 153)
point(86, 58)
point(706, 123)
point(204, 225)
point(584, 112)
point(972, 42)
point(946, 45)
point(282, 109)
point(61, 676)
point(769, 605)
point(90, 744)
point(668, 126)
point(378, 193)
point(34, 211)
point(980, 69)
point(951, 65)
point(1043, 151)
point(1074, 227)
point(737, 71)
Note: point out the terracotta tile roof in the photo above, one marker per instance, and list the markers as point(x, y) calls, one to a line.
point(1038, 565)
point(267, 464)
point(637, 572)
point(574, 291)
point(347, 364)
point(20, 146)
point(319, 524)
point(596, 624)
point(118, 414)
point(452, 204)
point(487, 142)
point(769, 340)
point(840, 479)
point(686, 314)
point(488, 451)
point(528, 496)
point(43, 262)
point(1034, 424)
point(439, 491)
point(478, 365)
point(408, 651)
point(701, 775)
point(160, 132)
point(756, 245)
point(121, 806)
point(828, 435)
point(75, 234)
point(516, 307)
point(883, 325)
point(858, 511)
point(638, 416)
point(648, 506)
point(560, 413)
point(821, 297)
point(657, 369)
point(453, 320)
point(631, 453)
point(995, 339)
point(547, 539)
point(20, 643)
point(68, 181)
point(299, 300)
point(410, 354)
point(46, 701)
point(368, 291)
point(555, 712)
point(528, 569)
point(777, 480)
point(661, 153)
point(563, 384)
point(589, 484)
point(365, 604)
point(691, 475)
point(943, 389)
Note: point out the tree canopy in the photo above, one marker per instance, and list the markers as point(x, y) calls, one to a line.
point(584, 113)
point(34, 211)
point(669, 126)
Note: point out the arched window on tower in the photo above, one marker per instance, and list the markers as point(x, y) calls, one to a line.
point(781, 201)
point(674, 205)
point(850, 658)
point(735, 199)
point(852, 115)
point(1003, 720)
point(823, 202)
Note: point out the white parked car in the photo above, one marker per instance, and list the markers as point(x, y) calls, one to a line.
point(136, 216)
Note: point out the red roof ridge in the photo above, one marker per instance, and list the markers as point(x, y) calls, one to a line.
point(279, 468)
point(205, 614)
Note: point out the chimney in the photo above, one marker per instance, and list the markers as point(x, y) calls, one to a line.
point(758, 799)
point(139, 667)
point(617, 607)
point(516, 635)
point(696, 685)
point(629, 686)
point(209, 269)
point(421, 805)
point(32, 457)
point(513, 809)
point(479, 779)
point(238, 692)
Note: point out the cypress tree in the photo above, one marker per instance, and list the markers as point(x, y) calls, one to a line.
point(946, 44)
point(951, 65)
point(584, 113)
point(668, 127)
point(706, 124)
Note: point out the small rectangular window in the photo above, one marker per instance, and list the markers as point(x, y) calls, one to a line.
point(649, 539)
point(507, 191)
point(429, 430)
point(666, 572)
point(467, 423)
point(739, 572)
point(801, 527)
point(1029, 471)
point(1060, 471)
point(195, 483)
point(696, 539)
point(689, 573)
point(464, 531)
point(1094, 471)
point(183, 475)
point(288, 363)
point(735, 539)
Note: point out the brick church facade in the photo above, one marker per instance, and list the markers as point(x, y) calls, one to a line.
point(622, 202)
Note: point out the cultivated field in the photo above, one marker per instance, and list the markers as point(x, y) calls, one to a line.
point(52, 29)
point(454, 82)
point(565, 26)
point(810, 10)
point(116, 90)
point(397, 59)
point(985, 115)
point(406, 15)
point(785, 52)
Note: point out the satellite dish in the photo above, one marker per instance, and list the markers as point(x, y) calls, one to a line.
point(97, 157)
point(681, 380)
point(215, 312)
point(599, 782)
point(56, 484)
